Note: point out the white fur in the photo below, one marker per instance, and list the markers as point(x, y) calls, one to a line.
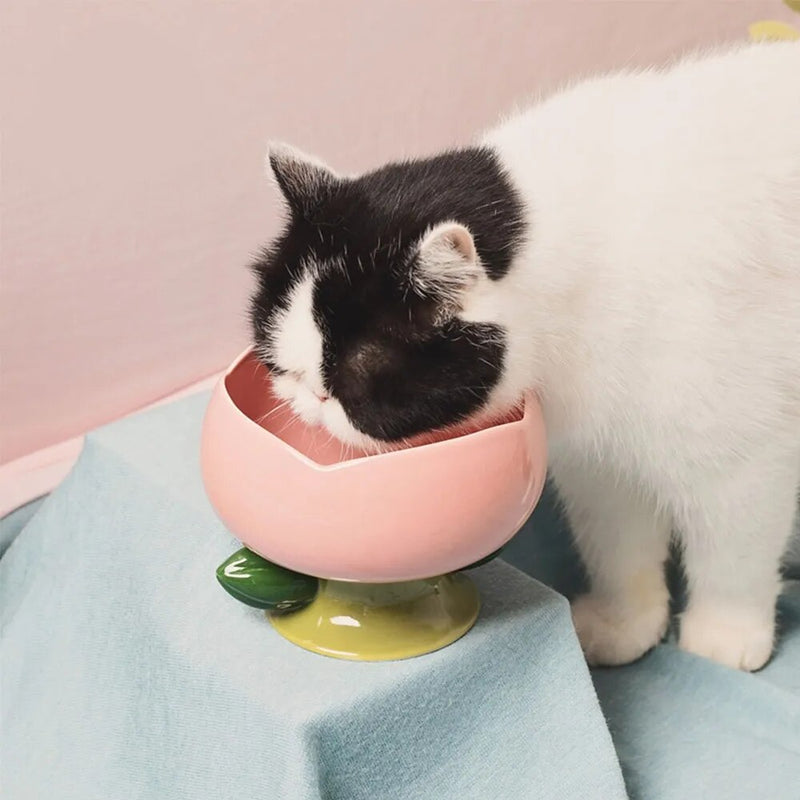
point(447, 263)
point(296, 345)
point(656, 308)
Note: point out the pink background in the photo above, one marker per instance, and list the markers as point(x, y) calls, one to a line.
point(133, 141)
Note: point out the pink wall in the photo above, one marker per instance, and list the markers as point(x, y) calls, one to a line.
point(133, 141)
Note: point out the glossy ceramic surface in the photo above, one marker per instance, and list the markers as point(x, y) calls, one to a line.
point(383, 622)
point(284, 490)
point(256, 582)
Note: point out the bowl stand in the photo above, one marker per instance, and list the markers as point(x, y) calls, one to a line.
point(354, 620)
point(382, 621)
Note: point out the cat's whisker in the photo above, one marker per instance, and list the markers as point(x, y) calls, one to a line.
point(280, 407)
point(294, 419)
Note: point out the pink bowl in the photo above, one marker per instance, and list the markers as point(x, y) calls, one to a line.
point(285, 491)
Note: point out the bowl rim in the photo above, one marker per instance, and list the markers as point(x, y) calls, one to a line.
point(528, 404)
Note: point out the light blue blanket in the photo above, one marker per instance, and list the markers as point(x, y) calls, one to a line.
point(127, 672)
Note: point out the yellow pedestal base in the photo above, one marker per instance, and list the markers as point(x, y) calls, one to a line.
point(383, 622)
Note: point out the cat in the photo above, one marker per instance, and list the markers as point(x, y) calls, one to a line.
point(629, 249)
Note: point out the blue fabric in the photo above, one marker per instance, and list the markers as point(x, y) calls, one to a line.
point(128, 673)
point(13, 523)
point(683, 726)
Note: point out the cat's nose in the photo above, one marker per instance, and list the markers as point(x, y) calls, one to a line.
point(321, 397)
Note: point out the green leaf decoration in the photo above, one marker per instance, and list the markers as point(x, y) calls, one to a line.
point(257, 582)
point(793, 4)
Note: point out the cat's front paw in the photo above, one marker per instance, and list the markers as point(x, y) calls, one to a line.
point(611, 633)
point(730, 636)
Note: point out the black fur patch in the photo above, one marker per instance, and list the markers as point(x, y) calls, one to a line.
point(396, 366)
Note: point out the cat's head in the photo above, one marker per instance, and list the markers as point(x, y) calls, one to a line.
point(376, 308)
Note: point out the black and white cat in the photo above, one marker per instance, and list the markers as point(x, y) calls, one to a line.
point(630, 249)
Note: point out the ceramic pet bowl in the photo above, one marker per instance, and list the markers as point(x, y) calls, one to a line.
point(356, 555)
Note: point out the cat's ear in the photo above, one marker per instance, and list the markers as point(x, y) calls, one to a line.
point(304, 180)
point(446, 266)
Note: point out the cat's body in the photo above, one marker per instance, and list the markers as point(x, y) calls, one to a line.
point(648, 288)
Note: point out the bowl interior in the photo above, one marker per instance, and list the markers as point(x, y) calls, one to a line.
point(249, 386)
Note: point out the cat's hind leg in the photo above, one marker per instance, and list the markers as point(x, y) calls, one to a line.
point(734, 534)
